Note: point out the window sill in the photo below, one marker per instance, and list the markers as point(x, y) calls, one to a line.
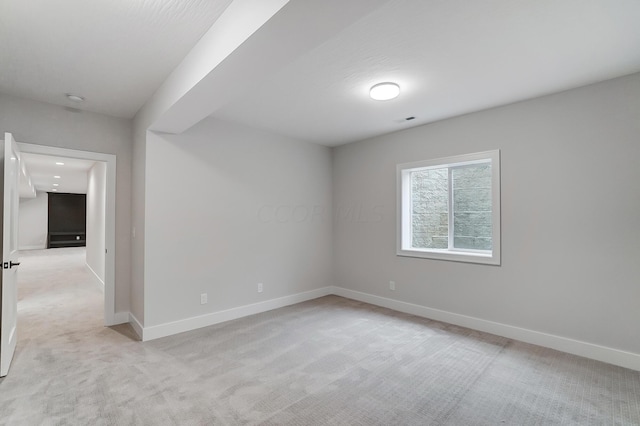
point(454, 256)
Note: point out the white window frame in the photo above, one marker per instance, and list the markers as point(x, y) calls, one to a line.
point(404, 237)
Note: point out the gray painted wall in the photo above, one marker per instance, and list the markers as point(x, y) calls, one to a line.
point(138, 196)
point(96, 218)
point(32, 222)
point(570, 209)
point(228, 207)
point(52, 125)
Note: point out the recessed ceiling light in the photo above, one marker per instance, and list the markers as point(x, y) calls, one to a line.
point(384, 91)
point(56, 184)
point(74, 98)
point(59, 164)
point(54, 190)
point(56, 177)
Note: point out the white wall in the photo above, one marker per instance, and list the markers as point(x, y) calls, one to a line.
point(570, 210)
point(96, 218)
point(138, 197)
point(212, 195)
point(33, 222)
point(52, 125)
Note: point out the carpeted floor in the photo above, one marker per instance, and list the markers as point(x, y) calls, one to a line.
point(330, 361)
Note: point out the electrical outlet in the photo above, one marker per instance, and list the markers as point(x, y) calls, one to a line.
point(259, 287)
point(203, 299)
point(392, 285)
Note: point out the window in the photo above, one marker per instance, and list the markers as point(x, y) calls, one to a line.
point(449, 208)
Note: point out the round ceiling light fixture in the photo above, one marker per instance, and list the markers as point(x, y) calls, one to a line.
point(384, 91)
point(74, 98)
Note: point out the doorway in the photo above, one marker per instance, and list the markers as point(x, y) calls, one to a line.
point(107, 162)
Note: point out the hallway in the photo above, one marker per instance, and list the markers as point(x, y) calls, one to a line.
point(62, 341)
point(56, 295)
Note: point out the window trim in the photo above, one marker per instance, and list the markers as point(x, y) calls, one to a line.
point(403, 233)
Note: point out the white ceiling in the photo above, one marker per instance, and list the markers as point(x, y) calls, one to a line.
point(450, 57)
point(113, 53)
point(42, 169)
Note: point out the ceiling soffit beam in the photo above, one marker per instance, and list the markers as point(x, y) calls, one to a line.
point(294, 29)
point(241, 19)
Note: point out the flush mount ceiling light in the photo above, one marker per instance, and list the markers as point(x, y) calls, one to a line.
point(74, 98)
point(384, 91)
point(59, 164)
point(56, 177)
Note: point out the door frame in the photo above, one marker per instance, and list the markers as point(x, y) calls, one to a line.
point(110, 216)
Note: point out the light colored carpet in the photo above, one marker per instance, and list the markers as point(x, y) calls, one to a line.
point(331, 361)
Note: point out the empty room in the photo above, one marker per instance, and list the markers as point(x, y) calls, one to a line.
point(354, 212)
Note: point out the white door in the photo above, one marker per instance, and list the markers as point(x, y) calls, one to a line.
point(9, 282)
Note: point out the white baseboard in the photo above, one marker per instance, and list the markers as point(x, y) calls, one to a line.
point(564, 344)
point(116, 318)
point(40, 247)
point(100, 282)
point(576, 347)
point(137, 327)
point(120, 318)
point(188, 324)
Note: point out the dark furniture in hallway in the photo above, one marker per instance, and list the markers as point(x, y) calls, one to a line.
point(67, 220)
